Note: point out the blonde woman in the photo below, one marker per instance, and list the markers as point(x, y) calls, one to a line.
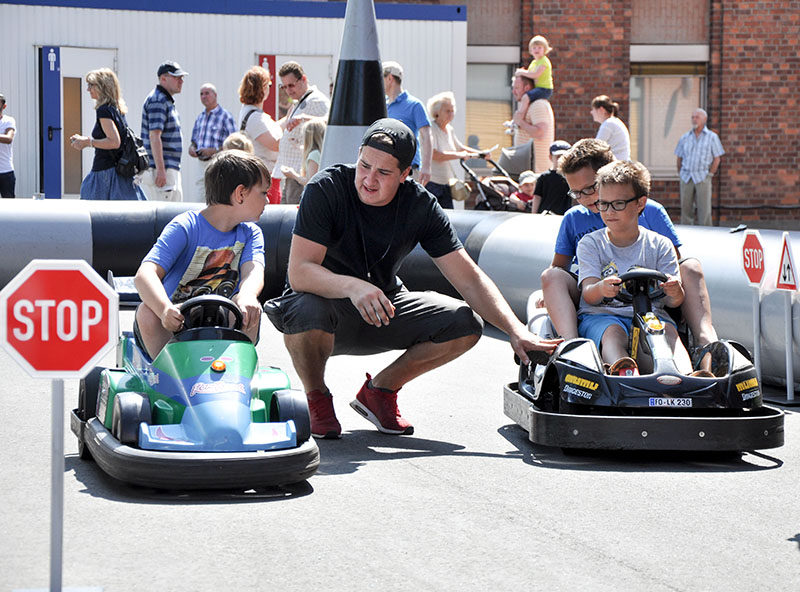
point(259, 126)
point(313, 135)
point(110, 129)
point(446, 147)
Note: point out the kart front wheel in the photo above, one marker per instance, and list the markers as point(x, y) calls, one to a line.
point(289, 404)
point(130, 409)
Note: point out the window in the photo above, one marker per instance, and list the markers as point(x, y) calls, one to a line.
point(662, 99)
point(488, 105)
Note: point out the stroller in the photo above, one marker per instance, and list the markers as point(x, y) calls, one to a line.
point(491, 193)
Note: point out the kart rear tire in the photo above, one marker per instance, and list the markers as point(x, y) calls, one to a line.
point(130, 409)
point(88, 391)
point(290, 404)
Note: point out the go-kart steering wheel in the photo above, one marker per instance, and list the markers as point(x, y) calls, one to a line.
point(210, 310)
point(641, 280)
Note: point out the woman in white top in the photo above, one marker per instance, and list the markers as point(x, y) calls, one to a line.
point(605, 112)
point(259, 126)
point(446, 147)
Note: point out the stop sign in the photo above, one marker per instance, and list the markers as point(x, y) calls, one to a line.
point(58, 318)
point(753, 257)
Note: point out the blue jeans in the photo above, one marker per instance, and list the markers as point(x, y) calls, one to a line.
point(539, 93)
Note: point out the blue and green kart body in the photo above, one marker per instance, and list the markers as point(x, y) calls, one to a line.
point(202, 414)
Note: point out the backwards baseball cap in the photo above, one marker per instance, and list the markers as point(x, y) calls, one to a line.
point(393, 68)
point(401, 141)
point(559, 147)
point(173, 68)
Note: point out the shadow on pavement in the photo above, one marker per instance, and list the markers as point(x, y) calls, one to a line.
point(359, 447)
point(632, 461)
point(99, 484)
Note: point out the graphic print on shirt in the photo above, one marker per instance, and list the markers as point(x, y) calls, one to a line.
point(211, 271)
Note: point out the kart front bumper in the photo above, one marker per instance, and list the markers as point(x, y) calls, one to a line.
point(195, 470)
point(758, 429)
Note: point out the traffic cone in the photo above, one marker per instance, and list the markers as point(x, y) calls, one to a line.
point(358, 98)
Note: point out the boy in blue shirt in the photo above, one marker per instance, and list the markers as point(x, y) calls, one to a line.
point(217, 250)
point(623, 245)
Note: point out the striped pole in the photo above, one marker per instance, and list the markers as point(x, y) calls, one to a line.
point(358, 94)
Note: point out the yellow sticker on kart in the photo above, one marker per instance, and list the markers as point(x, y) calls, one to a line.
point(746, 385)
point(581, 382)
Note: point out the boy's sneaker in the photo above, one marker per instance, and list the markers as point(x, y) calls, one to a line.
point(624, 367)
point(380, 407)
point(323, 418)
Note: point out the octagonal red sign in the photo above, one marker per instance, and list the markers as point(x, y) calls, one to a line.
point(58, 318)
point(753, 257)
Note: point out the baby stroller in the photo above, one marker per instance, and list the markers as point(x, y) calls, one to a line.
point(491, 193)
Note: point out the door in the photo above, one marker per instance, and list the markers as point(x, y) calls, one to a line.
point(67, 109)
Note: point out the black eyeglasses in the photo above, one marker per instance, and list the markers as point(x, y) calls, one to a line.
point(585, 192)
point(617, 205)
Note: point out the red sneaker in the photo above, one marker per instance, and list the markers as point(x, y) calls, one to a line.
point(323, 418)
point(380, 407)
point(624, 367)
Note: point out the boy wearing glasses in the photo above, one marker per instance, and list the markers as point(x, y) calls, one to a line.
point(623, 245)
point(579, 167)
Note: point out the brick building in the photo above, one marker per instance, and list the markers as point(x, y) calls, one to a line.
point(660, 59)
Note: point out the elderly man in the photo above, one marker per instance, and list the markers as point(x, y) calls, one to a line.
point(355, 225)
point(161, 133)
point(307, 102)
point(211, 127)
point(699, 152)
point(410, 110)
point(537, 124)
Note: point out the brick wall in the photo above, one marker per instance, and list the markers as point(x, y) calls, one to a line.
point(752, 94)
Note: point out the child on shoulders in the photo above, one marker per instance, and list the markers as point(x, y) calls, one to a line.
point(619, 247)
point(217, 250)
point(540, 70)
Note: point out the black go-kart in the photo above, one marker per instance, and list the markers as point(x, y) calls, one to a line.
point(569, 401)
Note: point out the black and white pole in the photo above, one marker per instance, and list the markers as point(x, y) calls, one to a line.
point(358, 95)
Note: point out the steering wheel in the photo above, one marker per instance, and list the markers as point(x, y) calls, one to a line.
point(639, 281)
point(210, 310)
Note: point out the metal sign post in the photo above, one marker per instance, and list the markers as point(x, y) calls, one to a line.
point(753, 265)
point(787, 280)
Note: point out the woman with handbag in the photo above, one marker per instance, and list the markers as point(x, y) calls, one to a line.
point(445, 184)
point(259, 126)
point(110, 128)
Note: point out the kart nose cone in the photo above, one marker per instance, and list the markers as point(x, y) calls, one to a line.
point(224, 439)
point(669, 380)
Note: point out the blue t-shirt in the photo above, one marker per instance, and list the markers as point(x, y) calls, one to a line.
point(579, 221)
point(159, 113)
point(411, 111)
point(199, 259)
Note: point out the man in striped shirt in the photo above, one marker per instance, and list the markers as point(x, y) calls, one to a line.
point(699, 152)
point(161, 132)
point(211, 127)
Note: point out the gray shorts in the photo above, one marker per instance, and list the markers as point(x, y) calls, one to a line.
point(419, 317)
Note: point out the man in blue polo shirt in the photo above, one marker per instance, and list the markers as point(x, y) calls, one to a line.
point(161, 132)
point(410, 110)
point(211, 127)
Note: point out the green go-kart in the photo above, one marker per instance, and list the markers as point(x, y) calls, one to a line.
point(201, 415)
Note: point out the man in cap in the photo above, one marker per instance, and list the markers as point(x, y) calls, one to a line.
point(355, 225)
point(161, 132)
point(410, 110)
point(552, 191)
point(8, 127)
point(211, 127)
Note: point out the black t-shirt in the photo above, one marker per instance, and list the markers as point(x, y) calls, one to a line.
point(553, 189)
point(105, 159)
point(370, 242)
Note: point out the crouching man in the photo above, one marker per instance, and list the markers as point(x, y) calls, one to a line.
point(355, 225)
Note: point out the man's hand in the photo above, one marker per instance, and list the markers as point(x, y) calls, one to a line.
point(161, 177)
point(528, 342)
point(207, 153)
point(171, 318)
point(373, 305)
point(294, 122)
point(251, 310)
point(192, 151)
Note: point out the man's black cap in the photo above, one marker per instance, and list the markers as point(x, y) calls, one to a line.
point(173, 68)
point(404, 144)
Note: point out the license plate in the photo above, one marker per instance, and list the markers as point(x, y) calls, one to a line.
point(667, 402)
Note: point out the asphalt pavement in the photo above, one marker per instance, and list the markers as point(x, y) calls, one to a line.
point(466, 503)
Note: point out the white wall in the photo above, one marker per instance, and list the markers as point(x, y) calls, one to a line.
point(213, 48)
